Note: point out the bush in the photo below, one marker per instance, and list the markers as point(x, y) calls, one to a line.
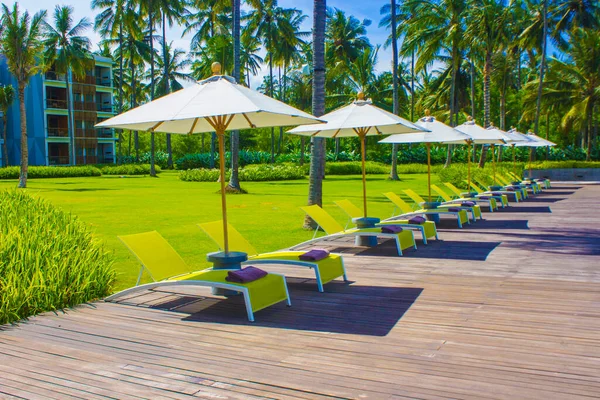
point(50, 172)
point(565, 164)
point(355, 168)
point(128, 169)
point(48, 259)
point(251, 173)
point(161, 158)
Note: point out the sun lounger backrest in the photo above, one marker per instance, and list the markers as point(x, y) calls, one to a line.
point(349, 208)
point(453, 188)
point(477, 188)
point(414, 196)
point(237, 242)
point(155, 254)
point(398, 202)
point(322, 217)
point(441, 193)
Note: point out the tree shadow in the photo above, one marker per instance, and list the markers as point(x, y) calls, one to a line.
point(582, 242)
point(84, 190)
point(343, 308)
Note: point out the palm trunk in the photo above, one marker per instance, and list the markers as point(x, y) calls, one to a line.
point(452, 97)
point(394, 168)
point(502, 119)
point(167, 86)
point(302, 145)
point(234, 180)
point(24, 149)
point(271, 94)
point(412, 86)
point(136, 139)
point(538, 108)
point(590, 127)
point(4, 135)
point(121, 62)
point(70, 127)
point(487, 72)
point(472, 87)
point(548, 134)
point(151, 33)
point(213, 144)
point(280, 141)
point(315, 188)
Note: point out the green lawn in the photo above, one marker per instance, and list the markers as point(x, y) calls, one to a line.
point(269, 216)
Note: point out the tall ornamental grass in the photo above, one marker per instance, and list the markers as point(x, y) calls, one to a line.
point(48, 259)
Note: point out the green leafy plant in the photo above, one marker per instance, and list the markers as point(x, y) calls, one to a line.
point(128, 169)
point(251, 173)
point(51, 172)
point(48, 259)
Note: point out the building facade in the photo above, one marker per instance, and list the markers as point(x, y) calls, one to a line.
point(91, 100)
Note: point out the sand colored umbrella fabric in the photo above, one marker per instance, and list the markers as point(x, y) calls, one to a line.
point(215, 104)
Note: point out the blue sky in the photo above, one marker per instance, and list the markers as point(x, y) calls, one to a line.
point(360, 9)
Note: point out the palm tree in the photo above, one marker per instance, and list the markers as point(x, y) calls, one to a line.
point(250, 61)
point(234, 181)
point(7, 97)
point(69, 51)
point(21, 43)
point(317, 159)
point(346, 39)
point(168, 76)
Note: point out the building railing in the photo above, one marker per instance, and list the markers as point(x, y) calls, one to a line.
point(56, 103)
point(58, 160)
point(105, 132)
point(53, 76)
point(104, 107)
point(87, 80)
point(58, 132)
point(103, 81)
point(84, 106)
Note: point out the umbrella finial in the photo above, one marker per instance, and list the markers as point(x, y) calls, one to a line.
point(360, 95)
point(216, 68)
point(427, 112)
point(469, 118)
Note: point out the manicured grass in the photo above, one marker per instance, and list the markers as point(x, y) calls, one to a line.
point(268, 216)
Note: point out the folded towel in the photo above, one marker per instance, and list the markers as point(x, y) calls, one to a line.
point(418, 220)
point(454, 209)
point(314, 255)
point(496, 194)
point(467, 204)
point(483, 197)
point(248, 274)
point(510, 189)
point(391, 229)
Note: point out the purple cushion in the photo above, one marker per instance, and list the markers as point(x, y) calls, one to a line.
point(248, 274)
point(483, 197)
point(454, 209)
point(314, 255)
point(510, 189)
point(418, 220)
point(391, 229)
point(496, 194)
point(467, 204)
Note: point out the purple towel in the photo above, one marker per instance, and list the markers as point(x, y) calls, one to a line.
point(496, 194)
point(391, 229)
point(467, 204)
point(248, 274)
point(454, 209)
point(483, 197)
point(418, 220)
point(314, 255)
point(510, 189)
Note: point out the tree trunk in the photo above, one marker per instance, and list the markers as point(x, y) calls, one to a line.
point(121, 66)
point(548, 134)
point(472, 87)
point(280, 140)
point(151, 30)
point(24, 149)
point(487, 72)
point(234, 180)
point(271, 95)
point(538, 108)
point(167, 87)
point(315, 187)
point(394, 168)
point(70, 127)
point(452, 96)
point(4, 135)
point(302, 145)
point(502, 119)
point(136, 139)
point(590, 127)
point(412, 87)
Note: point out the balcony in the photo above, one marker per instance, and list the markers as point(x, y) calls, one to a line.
point(105, 107)
point(86, 80)
point(53, 76)
point(58, 132)
point(105, 132)
point(84, 106)
point(58, 104)
point(104, 81)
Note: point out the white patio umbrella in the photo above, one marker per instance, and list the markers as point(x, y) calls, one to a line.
point(438, 133)
point(481, 135)
point(515, 137)
point(362, 119)
point(534, 141)
point(215, 104)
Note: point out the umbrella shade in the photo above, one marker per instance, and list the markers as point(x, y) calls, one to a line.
point(480, 135)
point(515, 137)
point(215, 104)
point(534, 141)
point(345, 121)
point(359, 119)
point(189, 110)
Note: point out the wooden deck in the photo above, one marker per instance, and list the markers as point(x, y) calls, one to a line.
point(506, 308)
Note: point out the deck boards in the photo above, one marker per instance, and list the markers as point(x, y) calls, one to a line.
point(508, 307)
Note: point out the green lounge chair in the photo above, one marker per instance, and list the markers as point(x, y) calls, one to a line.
point(475, 210)
point(406, 211)
point(545, 182)
point(491, 203)
point(516, 194)
point(326, 270)
point(332, 228)
point(167, 268)
point(427, 229)
point(501, 199)
point(534, 187)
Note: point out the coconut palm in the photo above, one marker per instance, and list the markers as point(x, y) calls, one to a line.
point(68, 49)
point(317, 159)
point(346, 38)
point(7, 97)
point(250, 60)
point(234, 181)
point(208, 19)
point(177, 63)
point(21, 42)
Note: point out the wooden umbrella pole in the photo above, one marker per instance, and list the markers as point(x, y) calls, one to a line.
point(494, 164)
point(221, 136)
point(514, 160)
point(469, 151)
point(428, 145)
point(362, 135)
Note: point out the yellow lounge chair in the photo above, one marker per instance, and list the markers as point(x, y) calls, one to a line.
point(167, 268)
point(545, 182)
point(326, 269)
point(404, 239)
point(516, 194)
point(407, 212)
point(529, 185)
point(502, 198)
point(427, 229)
point(475, 210)
point(449, 200)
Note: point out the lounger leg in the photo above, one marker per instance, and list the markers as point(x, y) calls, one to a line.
point(287, 293)
point(422, 229)
point(344, 269)
point(318, 277)
point(248, 306)
point(458, 219)
point(398, 246)
point(139, 278)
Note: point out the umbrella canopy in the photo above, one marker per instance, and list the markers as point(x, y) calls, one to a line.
point(515, 137)
point(438, 133)
point(533, 140)
point(481, 135)
point(362, 119)
point(215, 104)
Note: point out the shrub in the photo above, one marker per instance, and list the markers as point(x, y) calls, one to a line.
point(48, 259)
point(128, 169)
point(193, 161)
point(201, 175)
point(251, 173)
point(160, 158)
point(51, 172)
point(355, 168)
point(565, 164)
